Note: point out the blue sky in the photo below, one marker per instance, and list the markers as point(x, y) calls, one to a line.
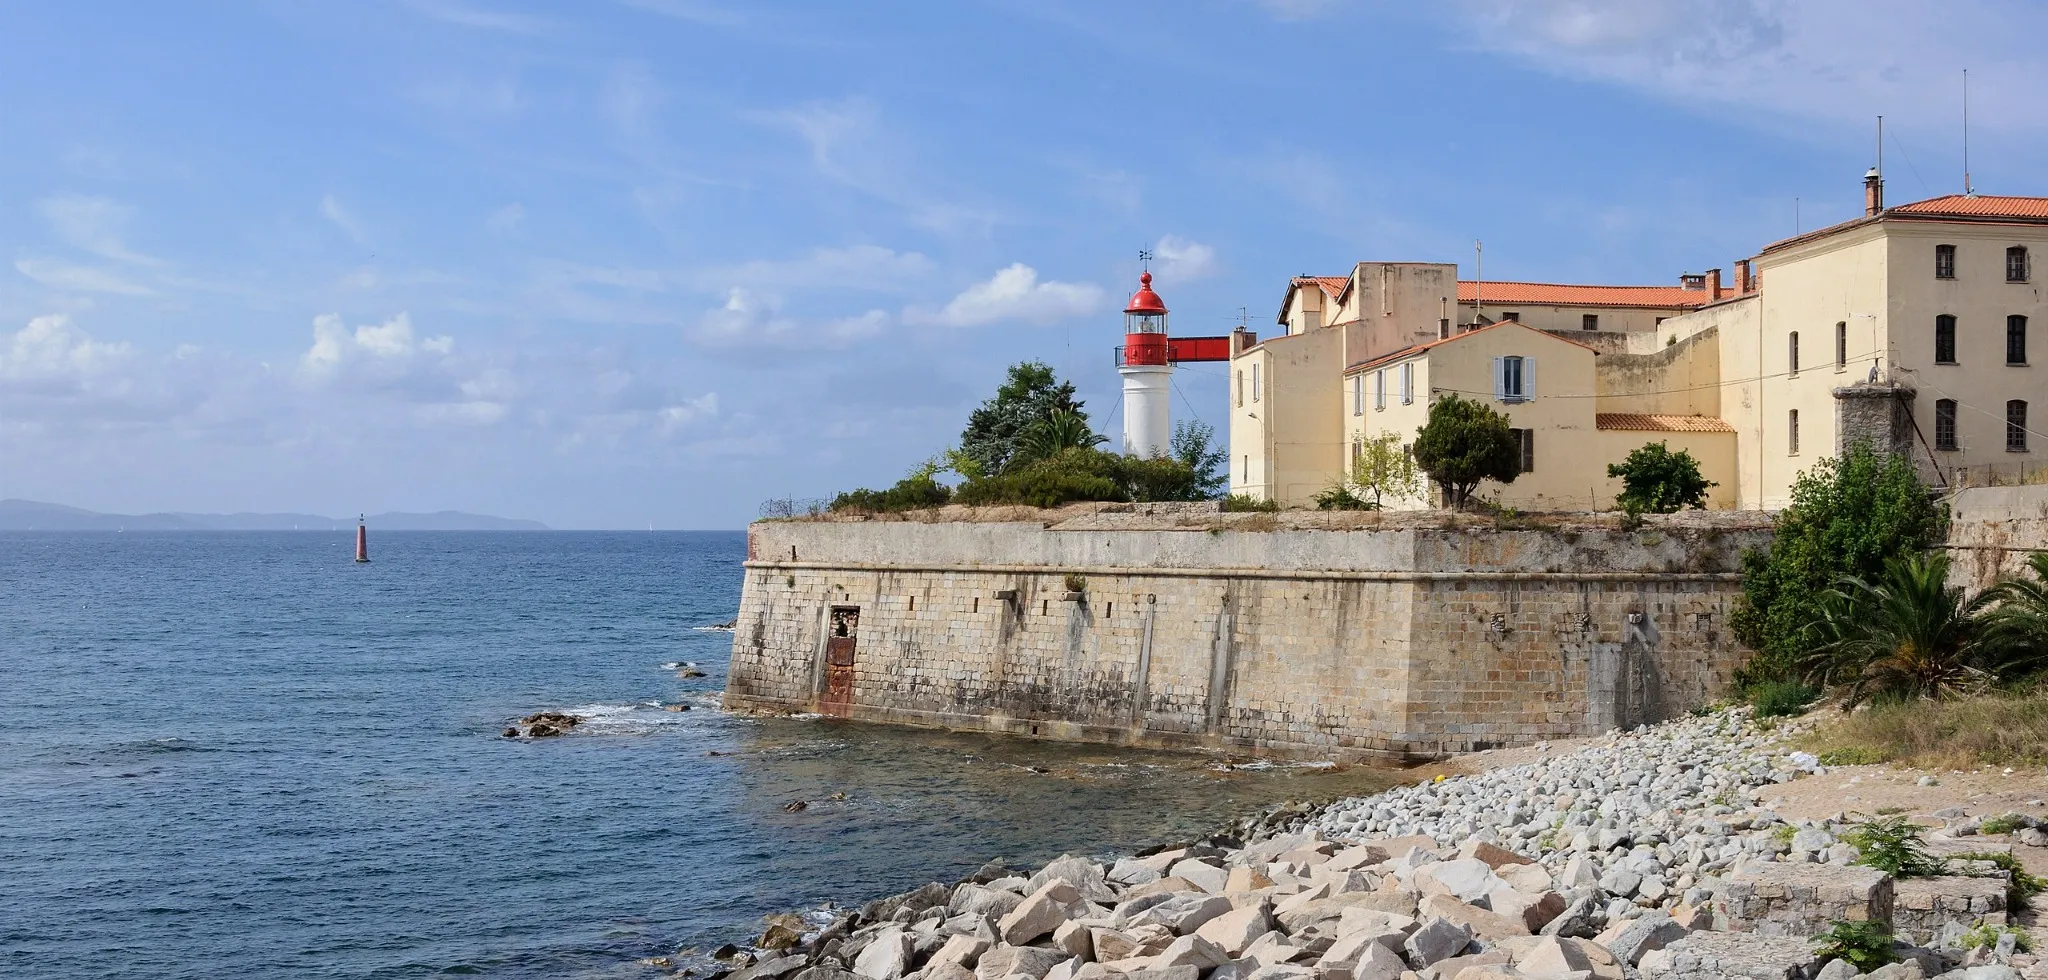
point(613, 264)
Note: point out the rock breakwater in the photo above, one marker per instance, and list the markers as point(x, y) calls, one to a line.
point(1653, 854)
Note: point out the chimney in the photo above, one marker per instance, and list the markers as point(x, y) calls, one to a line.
point(1713, 285)
point(1873, 192)
point(1741, 277)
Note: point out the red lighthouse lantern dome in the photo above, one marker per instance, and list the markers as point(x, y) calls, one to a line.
point(1145, 325)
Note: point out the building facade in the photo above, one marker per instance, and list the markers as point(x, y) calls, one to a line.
point(1910, 327)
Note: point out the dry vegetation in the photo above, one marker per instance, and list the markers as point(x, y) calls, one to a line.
point(1993, 730)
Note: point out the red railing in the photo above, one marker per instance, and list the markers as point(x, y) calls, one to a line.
point(1180, 349)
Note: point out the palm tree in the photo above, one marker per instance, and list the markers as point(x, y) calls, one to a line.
point(1058, 430)
point(1909, 634)
point(2017, 627)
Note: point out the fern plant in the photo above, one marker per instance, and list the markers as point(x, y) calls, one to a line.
point(1892, 845)
point(1866, 945)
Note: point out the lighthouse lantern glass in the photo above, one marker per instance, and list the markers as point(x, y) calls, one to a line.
point(1144, 323)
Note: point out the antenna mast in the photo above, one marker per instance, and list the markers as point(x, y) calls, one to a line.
point(1478, 280)
point(1968, 191)
point(1880, 146)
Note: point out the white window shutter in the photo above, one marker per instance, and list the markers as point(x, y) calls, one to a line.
point(1529, 379)
point(1500, 379)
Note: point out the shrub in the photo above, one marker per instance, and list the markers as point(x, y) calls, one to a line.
point(1986, 937)
point(1067, 476)
point(1909, 635)
point(1849, 515)
point(1774, 699)
point(1463, 443)
point(1996, 729)
point(1160, 478)
point(1892, 845)
point(1241, 502)
point(1866, 945)
point(1074, 582)
point(2004, 823)
point(1194, 446)
point(1340, 497)
point(914, 492)
point(1655, 480)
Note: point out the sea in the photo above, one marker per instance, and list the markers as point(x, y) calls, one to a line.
point(242, 754)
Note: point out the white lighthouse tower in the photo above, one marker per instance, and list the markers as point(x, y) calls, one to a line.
point(1148, 373)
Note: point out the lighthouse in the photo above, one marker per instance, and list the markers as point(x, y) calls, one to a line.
point(1148, 373)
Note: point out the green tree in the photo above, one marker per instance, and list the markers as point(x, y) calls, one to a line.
point(1194, 446)
point(2017, 626)
point(1906, 634)
point(1383, 466)
point(1463, 443)
point(1046, 437)
point(1030, 394)
point(1849, 515)
point(1655, 480)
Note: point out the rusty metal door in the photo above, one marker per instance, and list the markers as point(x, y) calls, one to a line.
point(839, 646)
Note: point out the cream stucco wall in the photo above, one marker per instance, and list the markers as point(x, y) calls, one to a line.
point(1980, 299)
point(1572, 318)
point(1812, 287)
point(1286, 438)
point(1715, 452)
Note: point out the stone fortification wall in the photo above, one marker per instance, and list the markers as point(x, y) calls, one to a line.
point(1391, 643)
point(1991, 532)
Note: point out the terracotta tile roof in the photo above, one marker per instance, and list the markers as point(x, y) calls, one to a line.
point(1333, 286)
point(1561, 294)
point(1414, 349)
point(1953, 207)
point(1981, 206)
point(1632, 422)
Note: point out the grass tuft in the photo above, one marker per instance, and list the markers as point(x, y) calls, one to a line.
point(1991, 730)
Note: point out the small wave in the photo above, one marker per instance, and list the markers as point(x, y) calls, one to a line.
point(714, 628)
point(625, 718)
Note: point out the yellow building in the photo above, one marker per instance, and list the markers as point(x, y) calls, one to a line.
point(1908, 327)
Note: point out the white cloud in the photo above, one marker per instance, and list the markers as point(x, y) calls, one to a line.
point(753, 319)
point(1015, 293)
point(1184, 260)
point(78, 278)
point(1818, 59)
point(507, 220)
point(696, 409)
point(851, 267)
point(51, 348)
point(332, 210)
point(449, 12)
point(94, 224)
point(335, 346)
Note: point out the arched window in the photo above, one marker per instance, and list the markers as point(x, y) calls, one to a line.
point(1945, 339)
point(2016, 264)
point(1792, 351)
point(1945, 423)
point(1944, 261)
point(2015, 426)
point(2015, 339)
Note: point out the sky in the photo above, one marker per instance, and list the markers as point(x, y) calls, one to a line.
point(648, 263)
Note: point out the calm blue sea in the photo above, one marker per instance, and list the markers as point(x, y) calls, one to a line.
point(243, 755)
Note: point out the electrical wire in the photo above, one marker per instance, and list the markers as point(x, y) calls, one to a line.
point(1676, 391)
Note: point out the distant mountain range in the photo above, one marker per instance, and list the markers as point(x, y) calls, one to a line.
point(32, 515)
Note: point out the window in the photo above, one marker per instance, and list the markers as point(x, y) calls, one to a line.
point(1408, 383)
point(1525, 449)
point(1379, 389)
point(1514, 378)
point(1358, 394)
point(1792, 351)
point(1443, 328)
point(1255, 382)
point(1841, 345)
point(2016, 264)
point(1511, 315)
point(1792, 433)
point(2015, 339)
point(1945, 424)
point(1247, 477)
point(1240, 389)
point(1944, 261)
point(1944, 339)
point(2015, 426)
point(1589, 321)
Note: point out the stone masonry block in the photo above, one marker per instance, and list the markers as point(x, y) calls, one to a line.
point(1923, 907)
point(1799, 900)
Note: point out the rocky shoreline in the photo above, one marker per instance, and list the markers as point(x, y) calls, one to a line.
point(1651, 854)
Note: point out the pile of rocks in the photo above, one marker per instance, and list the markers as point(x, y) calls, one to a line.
point(1641, 855)
point(546, 724)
